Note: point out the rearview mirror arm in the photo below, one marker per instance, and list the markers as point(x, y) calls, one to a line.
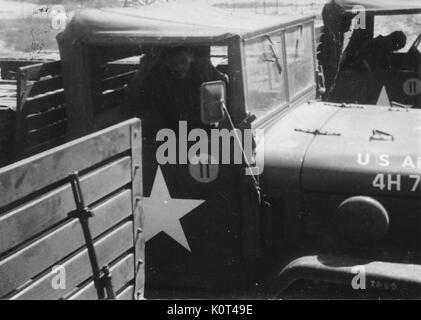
point(238, 141)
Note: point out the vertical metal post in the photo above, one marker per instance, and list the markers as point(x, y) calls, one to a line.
point(83, 214)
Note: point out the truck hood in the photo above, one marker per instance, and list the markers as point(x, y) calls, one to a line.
point(325, 147)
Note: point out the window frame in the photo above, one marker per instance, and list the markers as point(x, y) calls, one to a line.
point(283, 105)
point(312, 85)
point(300, 95)
point(376, 23)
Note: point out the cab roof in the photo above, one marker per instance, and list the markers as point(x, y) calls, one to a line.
point(383, 6)
point(168, 23)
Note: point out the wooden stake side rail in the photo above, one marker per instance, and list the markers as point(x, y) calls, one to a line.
point(40, 114)
point(41, 118)
point(37, 235)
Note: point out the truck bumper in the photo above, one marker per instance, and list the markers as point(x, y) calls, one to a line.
point(354, 273)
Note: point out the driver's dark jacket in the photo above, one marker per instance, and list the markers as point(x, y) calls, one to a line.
point(165, 100)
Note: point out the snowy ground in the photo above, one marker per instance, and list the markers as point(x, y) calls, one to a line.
point(14, 9)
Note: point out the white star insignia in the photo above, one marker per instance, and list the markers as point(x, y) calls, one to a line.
point(163, 213)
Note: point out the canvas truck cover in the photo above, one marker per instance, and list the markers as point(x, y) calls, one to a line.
point(165, 23)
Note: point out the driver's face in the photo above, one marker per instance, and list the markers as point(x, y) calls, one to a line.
point(179, 64)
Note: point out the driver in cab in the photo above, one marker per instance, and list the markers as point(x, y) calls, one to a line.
point(166, 88)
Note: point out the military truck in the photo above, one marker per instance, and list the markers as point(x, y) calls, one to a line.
point(371, 72)
point(325, 202)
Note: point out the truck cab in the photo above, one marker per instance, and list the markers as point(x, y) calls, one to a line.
point(321, 189)
point(391, 73)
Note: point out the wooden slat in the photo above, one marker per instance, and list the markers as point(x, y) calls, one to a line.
point(26, 221)
point(114, 68)
point(26, 176)
point(126, 294)
point(37, 71)
point(117, 81)
point(9, 66)
point(44, 85)
point(24, 264)
point(114, 98)
point(9, 82)
point(43, 146)
point(78, 268)
point(122, 272)
point(40, 120)
point(39, 136)
point(43, 102)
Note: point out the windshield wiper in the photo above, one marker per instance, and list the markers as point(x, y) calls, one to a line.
point(317, 132)
point(395, 104)
point(343, 105)
point(277, 60)
point(381, 135)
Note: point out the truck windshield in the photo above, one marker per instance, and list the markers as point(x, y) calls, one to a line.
point(265, 76)
point(300, 59)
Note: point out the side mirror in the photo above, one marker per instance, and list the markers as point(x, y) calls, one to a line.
point(212, 101)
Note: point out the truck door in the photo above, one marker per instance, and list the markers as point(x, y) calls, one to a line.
point(193, 214)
